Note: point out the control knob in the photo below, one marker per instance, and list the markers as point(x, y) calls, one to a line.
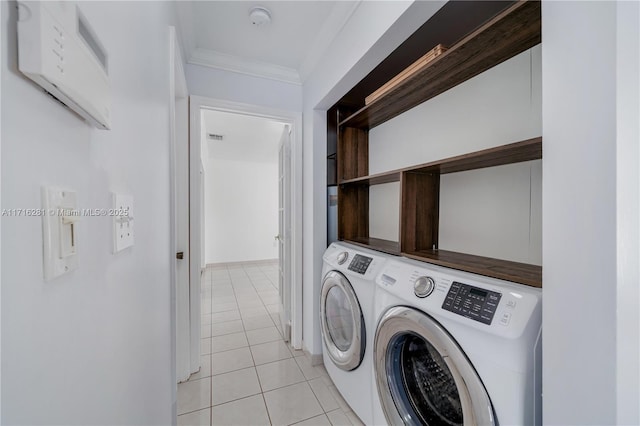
point(342, 257)
point(423, 286)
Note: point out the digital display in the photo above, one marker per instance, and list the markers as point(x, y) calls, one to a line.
point(477, 292)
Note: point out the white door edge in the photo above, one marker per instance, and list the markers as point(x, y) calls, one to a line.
point(195, 234)
point(284, 231)
point(294, 119)
point(180, 345)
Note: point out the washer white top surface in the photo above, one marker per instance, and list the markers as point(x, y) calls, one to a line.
point(507, 342)
point(516, 306)
point(350, 265)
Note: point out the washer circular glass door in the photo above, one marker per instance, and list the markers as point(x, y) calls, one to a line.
point(423, 376)
point(343, 329)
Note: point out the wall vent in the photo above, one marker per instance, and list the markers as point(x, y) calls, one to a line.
point(215, 137)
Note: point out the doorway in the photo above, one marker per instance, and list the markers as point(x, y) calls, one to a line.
point(247, 213)
point(243, 201)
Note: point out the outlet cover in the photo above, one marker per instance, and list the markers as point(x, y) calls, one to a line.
point(122, 222)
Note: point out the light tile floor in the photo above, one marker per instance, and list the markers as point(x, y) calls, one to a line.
point(249, 374)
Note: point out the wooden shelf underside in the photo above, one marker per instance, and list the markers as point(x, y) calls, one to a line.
point(511, 32)
point(377, 179)
point(527, 150)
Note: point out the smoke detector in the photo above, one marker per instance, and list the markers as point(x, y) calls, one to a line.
point(259, 16)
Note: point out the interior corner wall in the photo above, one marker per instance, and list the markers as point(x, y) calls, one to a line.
point(579, 214)
point(241, 210)
point(93, 346)
point(242, 88)
point(372, 32)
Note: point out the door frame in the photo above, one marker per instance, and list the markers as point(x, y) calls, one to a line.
point(177, 89)
point(294, 119)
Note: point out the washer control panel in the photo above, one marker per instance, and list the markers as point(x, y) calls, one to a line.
point(360, 264)
point(472, 302)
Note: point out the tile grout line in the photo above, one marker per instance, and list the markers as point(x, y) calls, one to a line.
point(236, 295)
point(211, 367)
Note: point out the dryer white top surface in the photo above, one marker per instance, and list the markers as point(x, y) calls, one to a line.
point(464, 300)
point(354, 261)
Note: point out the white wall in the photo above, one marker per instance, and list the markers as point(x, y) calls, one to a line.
point(94, 346)
point(374, 30)
point(494, 212)
point(628, 211)
point(229, 86)
point(241, 210)
point(590, 134)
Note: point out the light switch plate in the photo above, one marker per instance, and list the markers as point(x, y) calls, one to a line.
point(59, 231)
point(122, 222)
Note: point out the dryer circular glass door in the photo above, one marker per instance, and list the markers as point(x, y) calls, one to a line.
point(423, 376)
point(343, 329)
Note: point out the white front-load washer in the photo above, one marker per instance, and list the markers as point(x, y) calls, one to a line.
point(346, 317)
point(454, 348)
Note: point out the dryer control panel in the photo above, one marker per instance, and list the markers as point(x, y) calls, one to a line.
point(360, 264)
point(472, 302)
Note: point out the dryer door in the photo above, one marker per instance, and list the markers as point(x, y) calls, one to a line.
point(423, 376)
point(343, 329)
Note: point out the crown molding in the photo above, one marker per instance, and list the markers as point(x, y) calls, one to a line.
point(223, 61)
point(340, 15)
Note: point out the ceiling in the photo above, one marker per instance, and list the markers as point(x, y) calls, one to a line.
point(246, 138)
point(220, 34)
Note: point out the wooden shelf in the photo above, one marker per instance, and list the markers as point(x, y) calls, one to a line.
point(420, 212)
point(522, 273)
point(517, 152)
point(511, 32)
point(385, 246)
point(376, 179)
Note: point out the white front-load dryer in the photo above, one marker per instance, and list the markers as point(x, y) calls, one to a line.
point(346, 317)
point(454, 348)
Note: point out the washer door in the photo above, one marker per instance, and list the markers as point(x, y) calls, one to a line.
point(423, 376)
point(342, 323)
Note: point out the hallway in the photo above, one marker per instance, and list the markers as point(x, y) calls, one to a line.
point(249, 375)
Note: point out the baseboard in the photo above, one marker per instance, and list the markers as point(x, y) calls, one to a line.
point(316, 359)
point(243, 262)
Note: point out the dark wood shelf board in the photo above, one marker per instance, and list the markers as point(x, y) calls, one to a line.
point(353, 152)
point(511, 32)
point(521, 273)
point(517, 152)
point(376, 179)
point(385, 246)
